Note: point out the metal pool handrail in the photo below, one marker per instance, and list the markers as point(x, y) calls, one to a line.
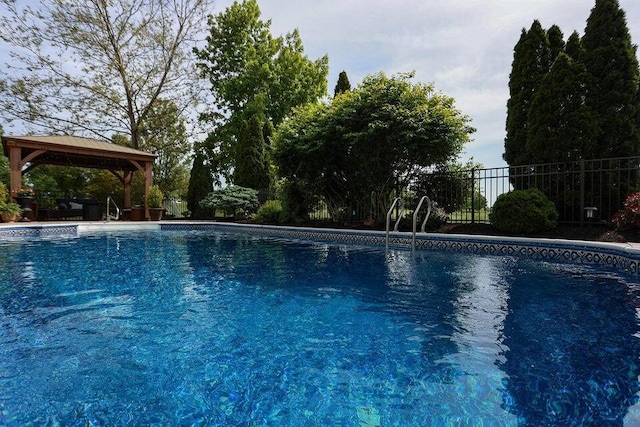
point(393, 205)
point(117, 216)
point(415, 218)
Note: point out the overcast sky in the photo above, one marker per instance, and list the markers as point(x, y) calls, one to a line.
point(465, 47)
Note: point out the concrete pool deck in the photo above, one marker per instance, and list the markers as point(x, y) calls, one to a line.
point(624, 257)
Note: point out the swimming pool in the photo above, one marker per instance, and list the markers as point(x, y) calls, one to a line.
point(220, 328)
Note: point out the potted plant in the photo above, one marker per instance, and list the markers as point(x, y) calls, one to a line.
point(9, 210)
point(155, 203)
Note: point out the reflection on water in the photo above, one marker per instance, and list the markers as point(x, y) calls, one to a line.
point(572, 353)
point(196, 328)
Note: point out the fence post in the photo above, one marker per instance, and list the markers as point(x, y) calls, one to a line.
point(473, 195)
point(582, 177)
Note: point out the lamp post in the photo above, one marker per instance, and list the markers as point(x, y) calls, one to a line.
point(590, 212)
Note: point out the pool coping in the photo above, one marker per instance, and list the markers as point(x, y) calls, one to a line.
point(623, 257)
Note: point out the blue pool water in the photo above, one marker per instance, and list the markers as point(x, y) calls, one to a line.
point(175, 328)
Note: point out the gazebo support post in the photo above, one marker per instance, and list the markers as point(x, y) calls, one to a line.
point(126, 184)
point(15, 175)
point(148, 167)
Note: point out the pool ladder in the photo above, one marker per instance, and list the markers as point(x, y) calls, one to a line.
point(393, 205)
point(415, 218)
point(109, 216)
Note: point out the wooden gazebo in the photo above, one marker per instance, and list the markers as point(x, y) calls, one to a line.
point(32, 151)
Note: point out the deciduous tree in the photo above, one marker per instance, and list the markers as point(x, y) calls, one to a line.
point(251, 71)
point(373, 139)
point(96, 66)
point(164, 133)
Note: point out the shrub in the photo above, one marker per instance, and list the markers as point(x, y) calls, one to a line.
point(232, 200)
point(524, 212)
point(296, 200)
point(269, 213)
point(629, 216)
point(155, 199)
point(437, 218)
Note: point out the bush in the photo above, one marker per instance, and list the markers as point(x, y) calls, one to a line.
point(437, 218)
point(155, 199)
point(296, 201)
point(629, 216)
point(524, 212)
point(269, 213)
point(235, 200)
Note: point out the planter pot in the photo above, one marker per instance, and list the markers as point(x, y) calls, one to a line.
point(9, 217)
point(156, 213)
point(137, 213)
point(25, 204)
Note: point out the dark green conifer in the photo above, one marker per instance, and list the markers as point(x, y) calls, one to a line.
point(556, 42)
point(252, 168)
point(573, 48)
point(343, 84)
point(531, 61)
point(200, 185)
point(560, 125)
point(612, 67)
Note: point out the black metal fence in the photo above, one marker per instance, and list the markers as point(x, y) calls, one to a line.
point(467, 196)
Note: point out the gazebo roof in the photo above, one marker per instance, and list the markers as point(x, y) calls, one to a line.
point(77, 151)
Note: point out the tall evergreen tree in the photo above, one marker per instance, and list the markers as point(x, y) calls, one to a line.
point(531, 61)
point(250, 70)
point(200, 185)
point(560, 125)
point(252, 167)
point(556, 42)
point(342, 85)
point(573, 48)
point(612, 66)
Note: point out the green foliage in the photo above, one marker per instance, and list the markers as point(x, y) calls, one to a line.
point(531, 61)
point(200, 185)
point(437, 218)
point(449, 184)
point(163, 133)
point(478, 202)
point(524, 212)
point(7, 206)
point(60, 180)
point(102, 184)
point(90, 66)
point(575, 101)
point(556, 42)
point(613, 71)
point(232, 200)
point(296, 202)
point(155, 198)
point(250, 72)
point(269, 213)
point(4, 169)
point(342, 85)
point(561, 127)
point(372, 139)
point(252, 166)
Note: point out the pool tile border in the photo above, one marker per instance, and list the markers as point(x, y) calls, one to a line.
point(621, 257)
point(611, 255)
